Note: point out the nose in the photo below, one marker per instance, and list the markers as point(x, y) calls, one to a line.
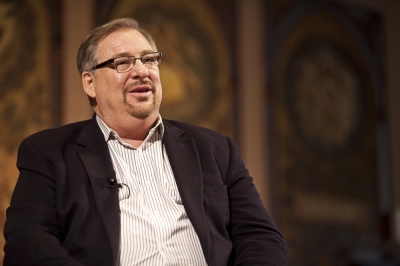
point(139, 71)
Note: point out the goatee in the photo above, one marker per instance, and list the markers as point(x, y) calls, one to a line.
point(139, 111)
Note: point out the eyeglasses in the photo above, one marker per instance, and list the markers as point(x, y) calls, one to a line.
point(125, 63)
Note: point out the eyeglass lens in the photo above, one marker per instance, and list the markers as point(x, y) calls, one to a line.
point(124, 64)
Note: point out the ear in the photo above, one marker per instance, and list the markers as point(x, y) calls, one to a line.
point(88, 84)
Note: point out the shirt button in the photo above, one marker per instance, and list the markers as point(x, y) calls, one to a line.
point(164, 247)
point(156, 213)
point(147, 183)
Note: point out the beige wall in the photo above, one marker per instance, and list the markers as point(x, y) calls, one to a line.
point(251, 89)
point(77, 22)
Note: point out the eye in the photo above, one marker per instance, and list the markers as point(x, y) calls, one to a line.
point(149, 59)
point(122, 61)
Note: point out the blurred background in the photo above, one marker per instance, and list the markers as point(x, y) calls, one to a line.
point(309, 90)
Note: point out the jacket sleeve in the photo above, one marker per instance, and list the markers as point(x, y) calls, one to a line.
point(256, 239)
point(32, 230)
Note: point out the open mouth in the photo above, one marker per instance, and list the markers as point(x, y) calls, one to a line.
point(140, 90)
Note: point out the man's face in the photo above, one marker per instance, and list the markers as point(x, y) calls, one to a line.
point(135, 93)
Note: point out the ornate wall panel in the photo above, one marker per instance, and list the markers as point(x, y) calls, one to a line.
point(196, 70)
point(327, 119)
point(29, 82)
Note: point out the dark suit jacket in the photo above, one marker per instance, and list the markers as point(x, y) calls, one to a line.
point(63, 212)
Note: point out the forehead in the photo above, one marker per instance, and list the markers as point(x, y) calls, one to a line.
point(125, 41)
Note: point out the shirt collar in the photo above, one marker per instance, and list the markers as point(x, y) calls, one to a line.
point(112, 134)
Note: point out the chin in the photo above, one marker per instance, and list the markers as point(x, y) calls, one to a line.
point(141, 114)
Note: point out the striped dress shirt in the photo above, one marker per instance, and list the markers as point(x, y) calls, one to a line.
point(155, 229)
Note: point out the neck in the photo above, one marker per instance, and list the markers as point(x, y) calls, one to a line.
point(131, 129)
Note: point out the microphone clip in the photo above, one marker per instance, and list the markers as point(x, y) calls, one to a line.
point(112, 182)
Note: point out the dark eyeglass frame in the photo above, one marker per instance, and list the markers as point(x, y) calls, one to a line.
point(111, 61)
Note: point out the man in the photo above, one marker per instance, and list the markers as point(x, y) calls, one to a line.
point(129, 188)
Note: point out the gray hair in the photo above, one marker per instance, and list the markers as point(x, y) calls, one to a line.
point(86, 57)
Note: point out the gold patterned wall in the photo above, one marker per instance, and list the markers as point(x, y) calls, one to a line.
point(28, 75)
point(326, 85)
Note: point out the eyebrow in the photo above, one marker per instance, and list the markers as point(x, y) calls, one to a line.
point(128, 54)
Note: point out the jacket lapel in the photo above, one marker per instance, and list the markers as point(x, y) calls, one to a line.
point(93, 151)
point(185, 162)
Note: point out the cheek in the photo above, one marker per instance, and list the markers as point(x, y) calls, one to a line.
point(155, 76)
point(119, 80)
point(115, 83)
point(159, 88)
point(107, 88)
point(157, 82)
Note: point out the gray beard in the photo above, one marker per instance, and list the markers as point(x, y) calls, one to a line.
point(139, 112)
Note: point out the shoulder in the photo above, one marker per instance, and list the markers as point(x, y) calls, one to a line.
point(65, 133)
